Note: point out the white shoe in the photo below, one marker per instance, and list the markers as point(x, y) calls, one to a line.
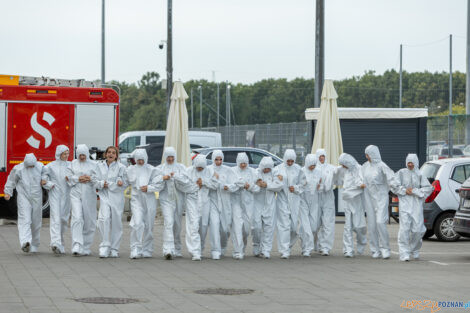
point(104, 252)
point(114, 254)
point(178, 254)
point(348, 255)
point(376, 255)
point(146, 255)
point(386, 255)
point(196, 258)
point(306, 254)
point(33, 249)
point(285, 256)
point(86, 253)
point(266, 256)
point(405, 258)
point(76, 250)
point(215, 256)
point(416, 255)
point(325, 253)
point(135, 255)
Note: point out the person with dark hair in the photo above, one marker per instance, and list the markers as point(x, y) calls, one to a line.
point(109, 178)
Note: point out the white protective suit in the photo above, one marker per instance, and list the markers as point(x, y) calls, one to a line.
point(172, 204)
point(197, 219)
point(309, 211)
point(264, 211)
point(143, 205)
point(412, 226)
point(378, 178)
point(242, 204)
point(83, 199)
point(326, 204)
point(26, 178)
point(111, 205)
point(288, 203)
point(355, 220)
point(59, 198)
point(220, 219)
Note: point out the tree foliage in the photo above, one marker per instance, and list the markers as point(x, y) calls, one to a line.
point(280, 100)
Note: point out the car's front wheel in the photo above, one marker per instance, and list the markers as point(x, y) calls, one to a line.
point(444, 227)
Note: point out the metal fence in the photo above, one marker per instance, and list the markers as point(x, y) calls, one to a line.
point(276, 138)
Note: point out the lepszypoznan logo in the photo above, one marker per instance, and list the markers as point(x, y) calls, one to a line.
point(41, 130)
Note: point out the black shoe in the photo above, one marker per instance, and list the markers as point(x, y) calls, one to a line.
point(168, 256)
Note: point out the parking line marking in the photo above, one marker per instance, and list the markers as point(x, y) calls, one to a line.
point(438, 263)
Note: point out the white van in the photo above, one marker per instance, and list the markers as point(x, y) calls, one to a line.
point(129, 140)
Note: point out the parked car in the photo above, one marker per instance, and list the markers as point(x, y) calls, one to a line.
point(230, 155)
point(466, 150)
point(443, 153)
point(446, 176)
point(462, 216)
point(130, 140)
point(155, 153)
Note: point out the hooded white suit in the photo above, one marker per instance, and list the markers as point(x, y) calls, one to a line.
point(288, 203)
point(378, 178)
point(326, 203)
point(264, 211)
point(26, 178)
point(221, 207)
point(59, 198)
point(242, 204)
point(355, 220)
point(172, 203)
point(412, 226)
point(143, 205)
point(83, 198)
point(111, 205)
point(309, 211)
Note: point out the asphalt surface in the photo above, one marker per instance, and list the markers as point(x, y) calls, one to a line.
point(44, 282)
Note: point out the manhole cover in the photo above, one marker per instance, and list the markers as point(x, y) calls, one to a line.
point(107, 300)
point(224, 291)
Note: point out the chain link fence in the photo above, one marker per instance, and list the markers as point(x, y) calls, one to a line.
point(275, 138)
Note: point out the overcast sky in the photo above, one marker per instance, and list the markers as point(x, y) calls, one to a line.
point(241, 40)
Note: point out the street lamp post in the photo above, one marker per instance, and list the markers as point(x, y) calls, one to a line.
point(200, 106)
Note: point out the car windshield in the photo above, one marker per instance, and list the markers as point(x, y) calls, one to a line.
point(429, 170)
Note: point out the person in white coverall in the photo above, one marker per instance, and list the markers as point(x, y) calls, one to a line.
point(412, 189)
point(220, 222)
point(142, 178)
point(83, 199)
point(242, 204)
point(172, 203)
point(197, 217)
point(378, 178)
point(109, 178)
point(288, 202)
point(26, 178)
point(59, 197)
point(355, 221)
point(326, 203)
point(264, 211)
point(309, 211)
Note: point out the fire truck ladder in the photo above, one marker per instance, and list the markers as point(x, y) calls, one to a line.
point(15, 80)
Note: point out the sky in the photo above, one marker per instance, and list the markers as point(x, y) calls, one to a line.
point(241, 41)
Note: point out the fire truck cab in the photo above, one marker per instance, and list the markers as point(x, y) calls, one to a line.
point(39, 113)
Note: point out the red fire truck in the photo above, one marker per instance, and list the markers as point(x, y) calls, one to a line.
point(39, 113)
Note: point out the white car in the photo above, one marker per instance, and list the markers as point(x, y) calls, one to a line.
point(446, 176)
point(130, 140)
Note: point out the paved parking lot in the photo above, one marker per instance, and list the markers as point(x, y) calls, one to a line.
point(47, 283)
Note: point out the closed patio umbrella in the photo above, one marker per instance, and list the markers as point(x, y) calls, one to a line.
point(177, 125)
point(327, 129)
